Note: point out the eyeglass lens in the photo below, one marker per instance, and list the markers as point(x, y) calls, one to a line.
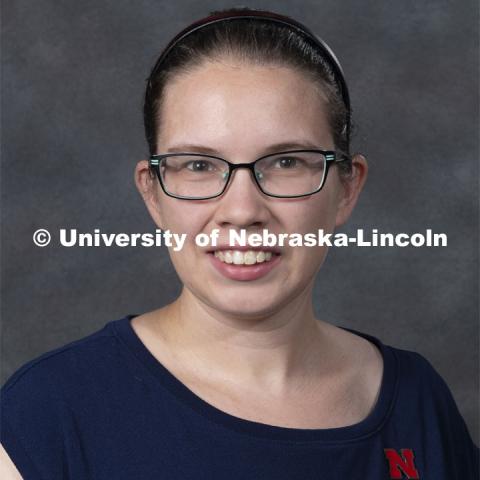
point(290, 174)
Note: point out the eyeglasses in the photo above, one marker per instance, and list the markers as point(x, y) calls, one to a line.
point(290, 174)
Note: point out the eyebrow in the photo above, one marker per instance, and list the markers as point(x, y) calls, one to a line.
point(277, 147)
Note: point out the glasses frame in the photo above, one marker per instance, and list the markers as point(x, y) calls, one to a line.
point(330, 158)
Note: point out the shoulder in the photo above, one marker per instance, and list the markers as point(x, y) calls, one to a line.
point(62, 365)
point(72, 374)
point(36, 401)
point(420, 384)
point(417, 373)
point(424, 410)
point(412, 370)
point(424, 400)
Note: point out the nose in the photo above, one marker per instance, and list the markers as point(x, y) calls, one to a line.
point(242, 204)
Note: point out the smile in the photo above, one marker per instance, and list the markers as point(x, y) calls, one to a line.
point(248, 257)
point(244, 264)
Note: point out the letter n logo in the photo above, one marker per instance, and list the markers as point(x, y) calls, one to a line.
point(401, 463)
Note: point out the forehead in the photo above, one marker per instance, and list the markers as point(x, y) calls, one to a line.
point(228, 103)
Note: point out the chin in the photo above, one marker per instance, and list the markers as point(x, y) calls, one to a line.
point(257, 303)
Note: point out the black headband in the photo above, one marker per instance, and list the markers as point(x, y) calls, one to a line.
point(327, 53)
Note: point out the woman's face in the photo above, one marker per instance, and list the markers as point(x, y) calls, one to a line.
point(242, 112)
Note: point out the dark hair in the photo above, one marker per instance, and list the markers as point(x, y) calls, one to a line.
point(257, 41)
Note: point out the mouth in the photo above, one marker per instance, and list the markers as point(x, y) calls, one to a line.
point(244, 264)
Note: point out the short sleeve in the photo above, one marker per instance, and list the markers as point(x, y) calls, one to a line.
point(31, 425)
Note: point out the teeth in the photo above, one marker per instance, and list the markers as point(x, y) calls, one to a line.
point(227, 255)
point(238, 257)
point(250, 258)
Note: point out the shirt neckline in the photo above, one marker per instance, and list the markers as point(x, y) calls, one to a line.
point(358, 431)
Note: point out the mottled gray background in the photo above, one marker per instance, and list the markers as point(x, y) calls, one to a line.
point(72, 86)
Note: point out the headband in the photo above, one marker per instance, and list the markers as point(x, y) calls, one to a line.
point(326, 51)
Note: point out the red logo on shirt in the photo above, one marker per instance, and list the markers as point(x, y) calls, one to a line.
point(402, 462)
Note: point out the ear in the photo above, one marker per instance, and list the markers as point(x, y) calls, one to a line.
point(148, 186)
point(351, 186)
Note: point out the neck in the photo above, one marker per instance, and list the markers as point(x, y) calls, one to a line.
point(281, 350)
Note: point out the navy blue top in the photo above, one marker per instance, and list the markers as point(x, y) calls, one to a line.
point(103, 407)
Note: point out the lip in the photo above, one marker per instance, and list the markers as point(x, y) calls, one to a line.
point(244, 273)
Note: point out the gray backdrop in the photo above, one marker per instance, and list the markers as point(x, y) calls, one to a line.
point(72, 87)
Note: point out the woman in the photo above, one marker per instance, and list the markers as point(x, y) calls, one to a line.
point(247, 118)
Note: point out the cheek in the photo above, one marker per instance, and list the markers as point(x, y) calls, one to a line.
point(181, 216)
point(184, 218)
point(315, 212)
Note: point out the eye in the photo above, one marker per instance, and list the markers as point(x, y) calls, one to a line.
point(200, 166)
point(286, 162)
